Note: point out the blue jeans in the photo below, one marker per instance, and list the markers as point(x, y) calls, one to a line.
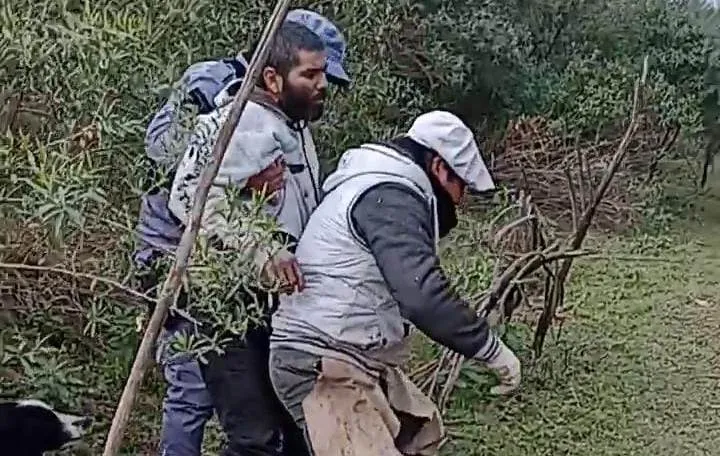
point(187, 406)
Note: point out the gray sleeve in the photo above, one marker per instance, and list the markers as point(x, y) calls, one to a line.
point(396, 225)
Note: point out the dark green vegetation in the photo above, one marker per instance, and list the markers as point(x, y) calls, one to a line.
point(636, 367)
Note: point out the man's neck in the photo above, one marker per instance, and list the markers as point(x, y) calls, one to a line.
point(269, 101)
point(409, 148)
point(272, 102)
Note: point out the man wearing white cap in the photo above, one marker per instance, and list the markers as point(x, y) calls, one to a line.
point(371, 269)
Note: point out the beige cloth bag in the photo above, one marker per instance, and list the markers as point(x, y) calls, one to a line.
point(349, 414)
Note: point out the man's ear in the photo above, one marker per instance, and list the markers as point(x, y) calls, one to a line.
point(437, 166)
point(272, 80)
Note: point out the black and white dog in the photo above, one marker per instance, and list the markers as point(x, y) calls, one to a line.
point(31, 427)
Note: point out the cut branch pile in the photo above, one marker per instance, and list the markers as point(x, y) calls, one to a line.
point(562, 172)
point(553, 178)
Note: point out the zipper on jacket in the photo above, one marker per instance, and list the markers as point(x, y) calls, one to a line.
point(307, 163)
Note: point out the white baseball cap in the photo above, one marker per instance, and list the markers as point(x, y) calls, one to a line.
point(447, 135)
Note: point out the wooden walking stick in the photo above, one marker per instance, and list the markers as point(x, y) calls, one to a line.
point(187, 242)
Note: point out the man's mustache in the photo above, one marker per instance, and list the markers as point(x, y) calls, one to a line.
point(320, 96)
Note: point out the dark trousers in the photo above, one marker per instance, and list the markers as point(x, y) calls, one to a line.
point(148, 278)
point(254, 420)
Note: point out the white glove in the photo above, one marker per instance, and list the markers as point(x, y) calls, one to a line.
point(505, 364)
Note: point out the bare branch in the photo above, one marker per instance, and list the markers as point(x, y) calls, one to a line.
point(92, 277)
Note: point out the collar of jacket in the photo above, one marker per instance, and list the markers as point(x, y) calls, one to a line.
point(258, 96)
point(404, 151)
point(264, 99)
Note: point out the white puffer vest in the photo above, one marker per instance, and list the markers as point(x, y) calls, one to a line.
point(346, 301)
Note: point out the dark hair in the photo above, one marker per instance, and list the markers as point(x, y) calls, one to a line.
point(290, 39)
point(420, 154)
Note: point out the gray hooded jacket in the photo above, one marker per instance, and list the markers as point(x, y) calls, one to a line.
point(263, 134)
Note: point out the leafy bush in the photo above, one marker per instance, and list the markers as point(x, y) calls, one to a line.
point(79, 81)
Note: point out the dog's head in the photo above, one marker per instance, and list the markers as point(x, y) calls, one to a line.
point(33, 427)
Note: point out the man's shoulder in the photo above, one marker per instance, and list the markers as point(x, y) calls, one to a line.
point(389, 201)
point(254, 118)
point(258, 117)
point(394, 194)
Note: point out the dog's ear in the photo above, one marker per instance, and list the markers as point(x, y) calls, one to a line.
point(72, 425)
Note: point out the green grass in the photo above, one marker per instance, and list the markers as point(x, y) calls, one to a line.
point(636, 368)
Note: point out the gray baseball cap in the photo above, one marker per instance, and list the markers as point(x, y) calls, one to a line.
point(335, 45)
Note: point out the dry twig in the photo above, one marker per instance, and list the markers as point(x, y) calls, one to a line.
point(527, 234)
point(93, 278)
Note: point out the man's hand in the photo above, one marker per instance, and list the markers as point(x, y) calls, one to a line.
point(507, 368)
point(283, 269)
point(270, 180)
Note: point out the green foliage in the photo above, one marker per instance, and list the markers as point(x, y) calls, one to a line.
point(50, 189)
point(469, 274)
point(224, 295)
point(80, 79)
point(595, 55)
point(47, 369)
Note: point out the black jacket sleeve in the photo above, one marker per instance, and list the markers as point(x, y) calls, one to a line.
point(397, 226)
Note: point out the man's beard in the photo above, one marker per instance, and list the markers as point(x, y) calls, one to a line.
point(446, 210)
point(316, 111)
point(299, 107)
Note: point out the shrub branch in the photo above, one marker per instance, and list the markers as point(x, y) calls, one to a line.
point(555, 259)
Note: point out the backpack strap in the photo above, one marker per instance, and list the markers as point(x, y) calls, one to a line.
point(238, 66)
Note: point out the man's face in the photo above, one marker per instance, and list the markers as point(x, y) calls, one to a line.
point(449, 190)
point(304, 90)
point(448, 180)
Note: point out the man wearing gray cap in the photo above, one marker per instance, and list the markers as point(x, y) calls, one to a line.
point(187, 404)
point(371, 269)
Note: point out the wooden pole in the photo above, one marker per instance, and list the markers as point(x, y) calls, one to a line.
point(187, 242)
